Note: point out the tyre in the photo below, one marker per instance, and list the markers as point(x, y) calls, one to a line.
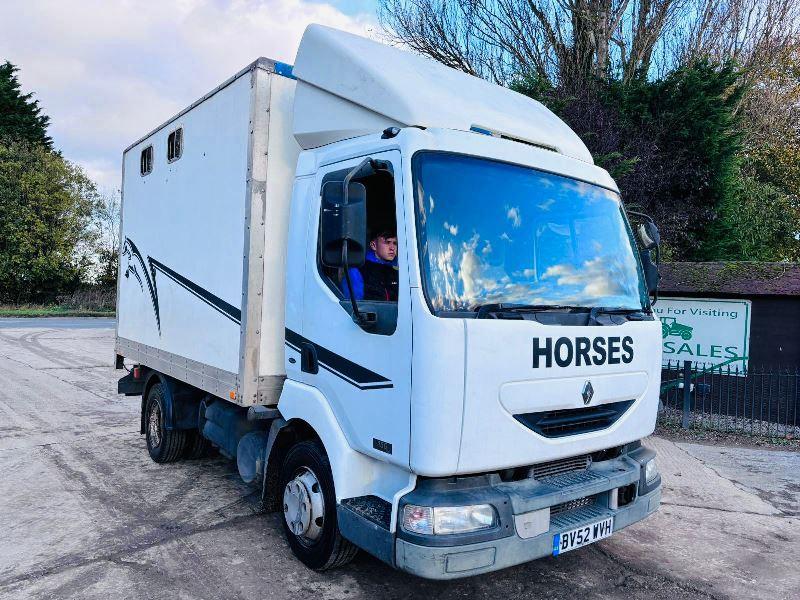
point(196, 446)
point(309, 509)
point(164, 446)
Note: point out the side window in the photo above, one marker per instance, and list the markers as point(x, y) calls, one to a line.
point(175, 145)
point(374, 284)
point(146, 161)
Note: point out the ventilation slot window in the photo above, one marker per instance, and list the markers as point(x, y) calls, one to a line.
point(175, 145)
point(559, 467)
point(146, 161)
point(560, 423)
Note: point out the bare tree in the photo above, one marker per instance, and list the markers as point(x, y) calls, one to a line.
point(106, 221)
point(571, 41)
point(564, 41)
point(751, 32)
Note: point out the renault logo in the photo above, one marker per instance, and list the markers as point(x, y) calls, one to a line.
point(588, 392)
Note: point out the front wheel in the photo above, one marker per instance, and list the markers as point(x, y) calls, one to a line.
point(309, 509)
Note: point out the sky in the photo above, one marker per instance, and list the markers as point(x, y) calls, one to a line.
point(109, 71)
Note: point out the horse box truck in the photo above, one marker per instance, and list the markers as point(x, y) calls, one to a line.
point(486, 412)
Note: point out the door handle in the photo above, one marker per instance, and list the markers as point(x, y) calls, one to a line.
point(308, 358)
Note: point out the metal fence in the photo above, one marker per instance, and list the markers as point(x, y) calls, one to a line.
point(760, 401)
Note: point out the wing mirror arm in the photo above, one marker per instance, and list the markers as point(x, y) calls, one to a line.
point(343, 230)
point(364, 320)
point(650, 253)
point(652, 276)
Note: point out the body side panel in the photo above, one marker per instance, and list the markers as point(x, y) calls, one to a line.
point(181, 263)
point(277, 244)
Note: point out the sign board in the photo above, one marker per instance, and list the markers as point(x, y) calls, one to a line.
point(705, 331)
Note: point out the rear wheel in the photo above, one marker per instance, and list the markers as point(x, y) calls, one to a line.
point(309, 509)
point(196, 446)
point(163, 445)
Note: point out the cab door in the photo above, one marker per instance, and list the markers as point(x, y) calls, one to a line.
point(365, 374)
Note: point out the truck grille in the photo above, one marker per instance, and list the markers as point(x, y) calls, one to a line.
point(559, 467)
point(560, 423)
point(578, 516)
point(557, 509)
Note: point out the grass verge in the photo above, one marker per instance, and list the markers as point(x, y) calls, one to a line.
point(32, 310)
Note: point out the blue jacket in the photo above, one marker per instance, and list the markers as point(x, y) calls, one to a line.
point(357, 278)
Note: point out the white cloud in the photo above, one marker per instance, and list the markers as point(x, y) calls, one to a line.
point(453, 229)
point(514, 216)
point(445, 276)
point(108, 72)
point(603, 276)
point(546, 204)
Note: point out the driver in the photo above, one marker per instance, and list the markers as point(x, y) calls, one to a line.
point(377, 278)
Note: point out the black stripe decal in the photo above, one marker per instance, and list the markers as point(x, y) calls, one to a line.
point(344, 369)
point(215, 302)
point(375, 386)
point(131, 252)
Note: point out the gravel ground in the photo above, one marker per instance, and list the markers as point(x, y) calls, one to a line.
point(84, 513)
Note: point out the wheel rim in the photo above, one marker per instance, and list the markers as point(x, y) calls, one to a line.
point(304, 506)
point(154, 425)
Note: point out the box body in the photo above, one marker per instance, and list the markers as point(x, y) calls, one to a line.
point(204, 234)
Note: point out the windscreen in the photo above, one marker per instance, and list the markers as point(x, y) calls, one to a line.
point(492, 232)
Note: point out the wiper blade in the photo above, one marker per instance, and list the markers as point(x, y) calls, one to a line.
point(616, 310)
point(484, 309)
point(633, 314)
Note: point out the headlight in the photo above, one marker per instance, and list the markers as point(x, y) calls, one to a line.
point(444, 520)
point(418, 519)
point(650, 470)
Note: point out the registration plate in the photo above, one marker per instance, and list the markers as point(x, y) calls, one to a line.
point(582, 536)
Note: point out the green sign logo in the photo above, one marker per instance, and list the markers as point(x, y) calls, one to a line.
point(670, 326)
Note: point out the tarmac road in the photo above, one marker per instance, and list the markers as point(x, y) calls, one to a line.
point(84, 513)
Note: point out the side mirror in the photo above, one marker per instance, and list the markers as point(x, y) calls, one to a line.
point(651, 275)
point(650, 252)
point(649, 235)
point(343, 227)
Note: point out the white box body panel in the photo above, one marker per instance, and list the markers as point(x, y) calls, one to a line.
point(189, 215)
point(282, 151)
point(204, 236)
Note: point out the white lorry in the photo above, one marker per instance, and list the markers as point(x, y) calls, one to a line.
point(471, 400)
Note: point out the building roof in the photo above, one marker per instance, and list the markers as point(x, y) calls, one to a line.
point(733, 278)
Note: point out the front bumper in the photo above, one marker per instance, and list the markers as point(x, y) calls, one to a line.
point(464, 557)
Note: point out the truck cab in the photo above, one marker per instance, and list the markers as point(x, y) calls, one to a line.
point(490, 409)
point(522, 340)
